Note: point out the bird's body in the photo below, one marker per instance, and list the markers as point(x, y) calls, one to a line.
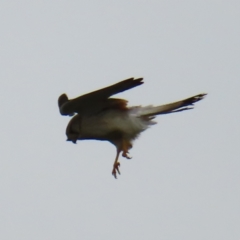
point(103, 126)
point(102, 118)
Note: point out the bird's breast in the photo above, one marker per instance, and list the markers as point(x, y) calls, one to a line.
point(111, 123)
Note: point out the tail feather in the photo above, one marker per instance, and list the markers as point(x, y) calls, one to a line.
point(172, 107)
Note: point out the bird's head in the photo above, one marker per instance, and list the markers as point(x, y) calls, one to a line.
point(73, 130)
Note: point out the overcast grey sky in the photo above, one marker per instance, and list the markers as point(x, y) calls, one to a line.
point(183, 180)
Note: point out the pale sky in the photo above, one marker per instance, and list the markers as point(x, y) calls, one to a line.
point(183, 180)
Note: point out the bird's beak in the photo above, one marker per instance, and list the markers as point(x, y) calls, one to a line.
point(72, 140)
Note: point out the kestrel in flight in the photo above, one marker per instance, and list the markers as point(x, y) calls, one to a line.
point(103, 118)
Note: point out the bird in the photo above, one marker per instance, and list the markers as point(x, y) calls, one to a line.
point(97, 116)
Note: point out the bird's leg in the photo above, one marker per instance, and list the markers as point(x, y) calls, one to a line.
point(116, 165)
point(125, 147)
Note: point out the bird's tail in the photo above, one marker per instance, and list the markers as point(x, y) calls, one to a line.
point(186, 104)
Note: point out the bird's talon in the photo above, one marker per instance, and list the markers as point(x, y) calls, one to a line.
point(116, 169)
point(125, 154)
point(114, 174)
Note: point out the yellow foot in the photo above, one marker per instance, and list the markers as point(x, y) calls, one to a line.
point(115, 170)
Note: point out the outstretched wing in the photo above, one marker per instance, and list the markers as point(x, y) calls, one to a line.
point(185, 104)
point(94, 101)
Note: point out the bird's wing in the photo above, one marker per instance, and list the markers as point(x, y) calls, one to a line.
point(185, 104)
point(95, 100)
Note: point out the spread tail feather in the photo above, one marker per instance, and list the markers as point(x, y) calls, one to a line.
point(179, 106)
